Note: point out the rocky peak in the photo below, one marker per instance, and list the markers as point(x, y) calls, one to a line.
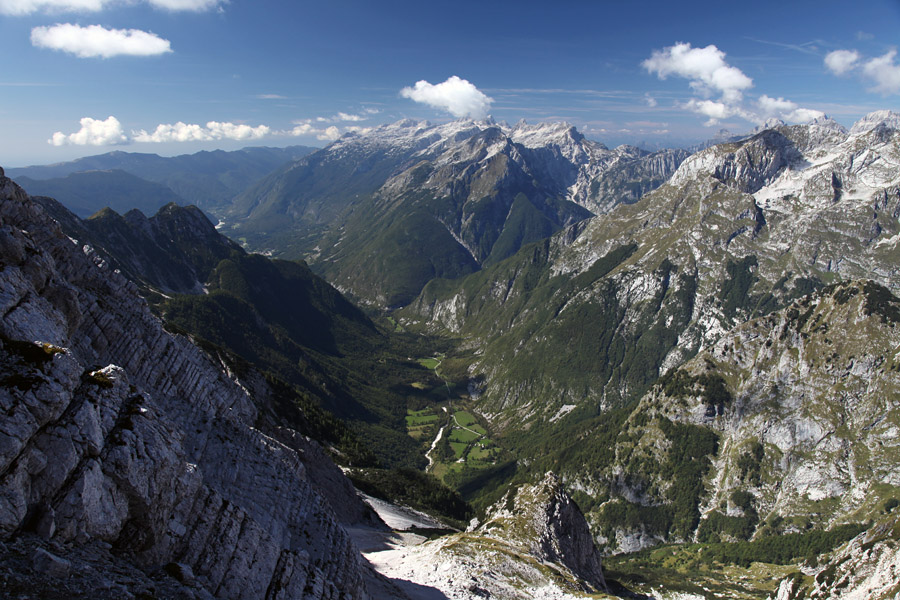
point(172, 251)
point(543, 520)
point(535, 544)
point(885, 119)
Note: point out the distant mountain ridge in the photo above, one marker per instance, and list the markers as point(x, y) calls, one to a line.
point(207, 179)
point(382, 213)
point(86, 192)
point(172, 252)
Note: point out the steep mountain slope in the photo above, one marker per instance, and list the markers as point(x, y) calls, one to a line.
point(87, 192)
point(799, 413)
point(271, 316)
point(172, 251)
point(118, 432)
point(383, 213)
point(588, 319)
point(207, 179)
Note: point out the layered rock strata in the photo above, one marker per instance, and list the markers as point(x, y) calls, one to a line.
point(118, 432)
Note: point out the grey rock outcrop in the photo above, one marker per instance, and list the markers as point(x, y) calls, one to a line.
point(535, 543)
point(118, 432)
point(545, 522)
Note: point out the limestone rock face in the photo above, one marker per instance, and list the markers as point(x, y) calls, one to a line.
point(546, 523)
point(116, 432)
point(800, 415)
point(535, 543)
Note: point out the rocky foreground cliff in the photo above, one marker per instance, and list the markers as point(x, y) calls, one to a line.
point(121, 438)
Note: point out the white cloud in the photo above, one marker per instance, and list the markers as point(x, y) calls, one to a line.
point(884, 73)
point(709, 74)
point(344, 117)
point(271, 97)
point(306, 128)
point(456, 96)
point(95, 41)
point(178, 132)
point(704, 67)
point(650, 100)
point(93, 132)
point(27, 7)
point(715, 111)
point(191, 132)
point(231, 131)
point(841, 61)
point(786, 110)
point(186, 5)
point(330, 134)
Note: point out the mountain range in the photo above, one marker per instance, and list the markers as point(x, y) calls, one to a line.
point(207, 179)
point(694, 352)
point(381, 214)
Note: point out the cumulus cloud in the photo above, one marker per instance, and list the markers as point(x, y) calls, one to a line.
point(884, 72)
point(704, 67)
point(709, 74)
point(330, 134)
point(786, 110)
point(27, 7)
point(456, 96)
point(93, 132)
point(95, 41)
point(191, 132)
point(841, 61)
point(306, 128)
point(713, 110)
point(342, 116)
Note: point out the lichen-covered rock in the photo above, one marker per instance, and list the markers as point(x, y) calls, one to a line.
point(118, 432)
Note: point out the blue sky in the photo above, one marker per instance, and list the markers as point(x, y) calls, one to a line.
point(228, 74)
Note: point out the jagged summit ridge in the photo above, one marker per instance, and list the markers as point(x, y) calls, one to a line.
point(879, 118)
point(441, 200)
point(799, 154)
point(440, 142)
